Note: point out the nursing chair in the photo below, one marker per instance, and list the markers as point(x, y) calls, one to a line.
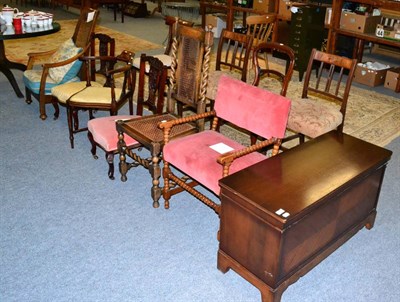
point(322, 106)
point(117, 90)
point(102, 131)
point(188, 80)
point(48, 69)
point(205, 157)
point(234, 50)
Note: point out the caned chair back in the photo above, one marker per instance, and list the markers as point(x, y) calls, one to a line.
point(331, 81)
point(170, 21)
point(189, 78)
point(85, 27)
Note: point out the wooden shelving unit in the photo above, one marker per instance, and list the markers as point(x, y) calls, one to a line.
point(360, 39)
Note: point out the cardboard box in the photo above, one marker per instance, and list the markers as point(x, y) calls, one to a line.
point(387, 32)
point(265, 6)
point(218, 21)
point(392, 79)
point(359, 23)
point(369, 77)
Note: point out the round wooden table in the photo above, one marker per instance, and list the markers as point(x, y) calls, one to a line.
point(8, 33)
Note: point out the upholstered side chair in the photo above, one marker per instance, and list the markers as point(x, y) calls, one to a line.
point(323, 103)
point(207, 156)
point(59, 65)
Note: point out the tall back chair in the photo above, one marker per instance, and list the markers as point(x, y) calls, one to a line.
point(102, 131)
point(234, 50)
point(312, 115)
point(189, 79)
point(207, 156)
point(63, 65)
point(166, 56)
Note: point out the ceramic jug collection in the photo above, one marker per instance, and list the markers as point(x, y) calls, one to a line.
point(7, 14)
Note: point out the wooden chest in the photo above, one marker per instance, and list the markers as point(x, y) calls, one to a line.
point(283, 216)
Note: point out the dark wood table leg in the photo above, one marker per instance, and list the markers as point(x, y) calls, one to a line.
point(155, 172)
point(6, 65)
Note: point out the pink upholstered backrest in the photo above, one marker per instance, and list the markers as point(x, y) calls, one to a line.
point(257, 110)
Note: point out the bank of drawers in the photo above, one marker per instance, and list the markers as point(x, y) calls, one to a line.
point(306, 33)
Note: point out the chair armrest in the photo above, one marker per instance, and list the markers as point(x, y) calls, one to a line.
point(167, 126)
point(34, 56)
point(228, 158)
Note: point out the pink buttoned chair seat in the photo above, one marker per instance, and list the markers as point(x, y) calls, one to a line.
point(196, 155)
point(105, 134)
point(313, 118)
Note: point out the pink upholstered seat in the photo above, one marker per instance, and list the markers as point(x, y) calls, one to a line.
point(248, 107)
point(105, 134)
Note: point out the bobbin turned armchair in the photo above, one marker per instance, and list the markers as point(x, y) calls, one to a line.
point(207, 156)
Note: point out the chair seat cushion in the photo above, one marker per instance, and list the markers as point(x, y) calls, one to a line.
point(313, 118)
point(105, 133)
point(64, 91)
point(193, 156)
point(95, 95)
point(66, 72)
point(32, 79)
point(165, 59)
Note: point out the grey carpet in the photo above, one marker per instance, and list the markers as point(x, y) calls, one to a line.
point(68, 233)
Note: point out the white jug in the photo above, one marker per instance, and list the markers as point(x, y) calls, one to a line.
point(7, 14)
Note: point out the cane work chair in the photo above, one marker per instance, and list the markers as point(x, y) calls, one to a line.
point(188, 79)
point(234, 50)
point(116, 91)
point(199, 157)
point(323, 103)
point(60, 65)
point(102, 131)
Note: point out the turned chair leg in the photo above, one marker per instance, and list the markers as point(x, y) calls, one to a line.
point(110, 160)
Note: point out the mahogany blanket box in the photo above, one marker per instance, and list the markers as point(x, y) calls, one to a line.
point(281, 217)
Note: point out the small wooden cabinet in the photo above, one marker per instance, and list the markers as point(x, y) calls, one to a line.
point(283, 216)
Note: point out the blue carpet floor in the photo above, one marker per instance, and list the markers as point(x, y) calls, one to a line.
point(68, 233)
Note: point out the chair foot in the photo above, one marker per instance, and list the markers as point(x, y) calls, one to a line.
point(43, 116)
